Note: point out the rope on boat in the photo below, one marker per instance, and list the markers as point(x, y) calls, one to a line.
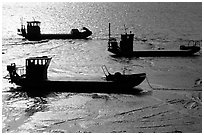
point(178, 89)
point(181, 89)
point(149, 83)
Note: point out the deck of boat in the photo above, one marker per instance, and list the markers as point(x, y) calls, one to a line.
point(62, 36)
point(159, 53)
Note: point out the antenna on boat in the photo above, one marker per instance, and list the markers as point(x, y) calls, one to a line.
point(125, 29)
point(21, 19)
point(33, 18)
point(22, 26)
point(109, 32)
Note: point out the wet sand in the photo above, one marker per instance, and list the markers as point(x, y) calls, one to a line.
point(148, 111)
point(173, 106)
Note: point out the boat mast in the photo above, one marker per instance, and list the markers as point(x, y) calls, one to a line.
point(125, 29)
point(21, 19)
point(22, 26)
point(109, 32)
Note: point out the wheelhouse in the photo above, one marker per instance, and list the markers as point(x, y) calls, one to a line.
point(36, 67)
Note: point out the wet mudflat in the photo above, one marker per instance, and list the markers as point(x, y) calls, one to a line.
point(148, 111)
point(175, 103)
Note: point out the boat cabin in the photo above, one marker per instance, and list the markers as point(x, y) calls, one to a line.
point(36, 68)
point(33, 30)
point(125, 46)
point(126, 43)
point(74, 31)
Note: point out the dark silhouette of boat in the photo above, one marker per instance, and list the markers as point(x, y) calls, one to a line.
point(125, 48)
point(33, 33)
point(36, 78)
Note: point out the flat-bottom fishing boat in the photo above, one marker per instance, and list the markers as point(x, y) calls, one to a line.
point(125, 48)
point(157, 53)
point(33, 33)
point(36, 79)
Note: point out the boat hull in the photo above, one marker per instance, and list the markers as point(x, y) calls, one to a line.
point(158, 53)
point(56, 36)
point(63, 36)
point(86, 86)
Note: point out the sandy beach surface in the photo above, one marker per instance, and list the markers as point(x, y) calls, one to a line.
point(157, 110)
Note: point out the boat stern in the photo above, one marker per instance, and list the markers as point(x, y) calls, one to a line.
point(12, 73)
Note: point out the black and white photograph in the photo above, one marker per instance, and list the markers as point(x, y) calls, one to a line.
point(101, 66)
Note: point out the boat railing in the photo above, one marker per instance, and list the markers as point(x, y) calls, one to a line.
point(21, 70)
point(198, 43)
point(194, 43)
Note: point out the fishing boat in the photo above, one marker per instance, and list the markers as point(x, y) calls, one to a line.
point(33, 33)
point(35, 78)
point(125, 48)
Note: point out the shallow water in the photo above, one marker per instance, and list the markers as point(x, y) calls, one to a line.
point(165, 25)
